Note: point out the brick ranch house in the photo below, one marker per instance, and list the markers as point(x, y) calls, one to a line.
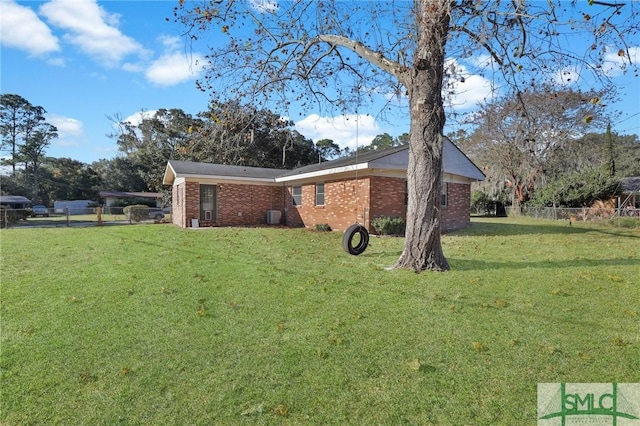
point(337, 193)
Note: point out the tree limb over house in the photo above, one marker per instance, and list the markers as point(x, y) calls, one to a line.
point(303, 55)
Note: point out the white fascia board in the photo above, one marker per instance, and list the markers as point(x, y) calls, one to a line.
point(323, 173)
point(229, 179)
point(470, 172)
point(392, 172)
point(169, 175)
point(454, 178)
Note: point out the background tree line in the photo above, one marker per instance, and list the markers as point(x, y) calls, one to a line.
point(25, 136)
point(227, 133)
point(548, 146)
point(554, 153)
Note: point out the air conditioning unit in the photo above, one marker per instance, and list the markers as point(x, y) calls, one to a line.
point(208, 215)
point(273, 217)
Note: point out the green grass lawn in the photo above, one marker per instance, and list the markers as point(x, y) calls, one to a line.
point(157, 325)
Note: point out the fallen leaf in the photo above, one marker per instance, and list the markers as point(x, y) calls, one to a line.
point(479, 347)
point(251, 411)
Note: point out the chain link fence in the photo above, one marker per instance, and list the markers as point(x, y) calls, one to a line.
point(584, 214)
point(86, 216)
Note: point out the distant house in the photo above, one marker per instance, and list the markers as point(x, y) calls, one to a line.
point(74, 206)
point(14, 208)
point(337, 193)
point(117, 198)
point(16, 202)
point(630, 191)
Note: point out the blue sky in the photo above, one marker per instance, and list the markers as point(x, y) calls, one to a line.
point(84, 60)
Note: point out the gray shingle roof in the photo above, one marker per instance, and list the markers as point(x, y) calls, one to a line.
point(14, 199)
point(345, 161)
point(121, 194)
point(630, 184)
point(210, 169)
point(463, 166)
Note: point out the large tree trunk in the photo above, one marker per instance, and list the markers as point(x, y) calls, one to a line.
point(36, 186)
point(423, 247)
point(518, 199)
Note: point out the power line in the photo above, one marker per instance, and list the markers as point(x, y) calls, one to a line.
point(631, 116)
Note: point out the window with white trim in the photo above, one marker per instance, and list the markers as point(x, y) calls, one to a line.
point(296, 195)
point(208, 202)
point(320, 194)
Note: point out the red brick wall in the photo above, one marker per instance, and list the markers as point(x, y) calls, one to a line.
point(237, 205)
point(184, 198)
point(455, 215)
point(247, 204)
point(388, 197)
point(344, 202)
point(191, 203)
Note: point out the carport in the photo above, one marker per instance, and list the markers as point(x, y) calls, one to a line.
point(15, 202)
point(630, 195)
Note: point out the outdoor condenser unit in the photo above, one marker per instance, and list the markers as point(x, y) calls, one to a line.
point(273, 217)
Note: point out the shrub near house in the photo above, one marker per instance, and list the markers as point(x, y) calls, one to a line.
point(137, 213)
point(388, 225)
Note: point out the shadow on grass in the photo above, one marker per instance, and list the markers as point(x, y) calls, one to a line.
point(474, 264)
point(503, 226)
point(546, 318)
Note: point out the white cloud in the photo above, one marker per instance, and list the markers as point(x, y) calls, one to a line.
point(66, 126)
point(91, 29)
point(174, 66)
point(482, 61)
point(21, 28)
point(170, 43)
point(56, 62)
point(614, 63)
point(264, 5)
point(469, 93)
point(136, 118)
point(468, 89)
point(349, 130)
point(70, 130)
point(567, 76)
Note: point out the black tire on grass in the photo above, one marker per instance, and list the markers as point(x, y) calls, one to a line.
point(348, 236)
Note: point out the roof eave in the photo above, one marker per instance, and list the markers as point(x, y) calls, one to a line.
point(169, 174)
point(225, 178)
point(471, 176)
point(324, 172)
